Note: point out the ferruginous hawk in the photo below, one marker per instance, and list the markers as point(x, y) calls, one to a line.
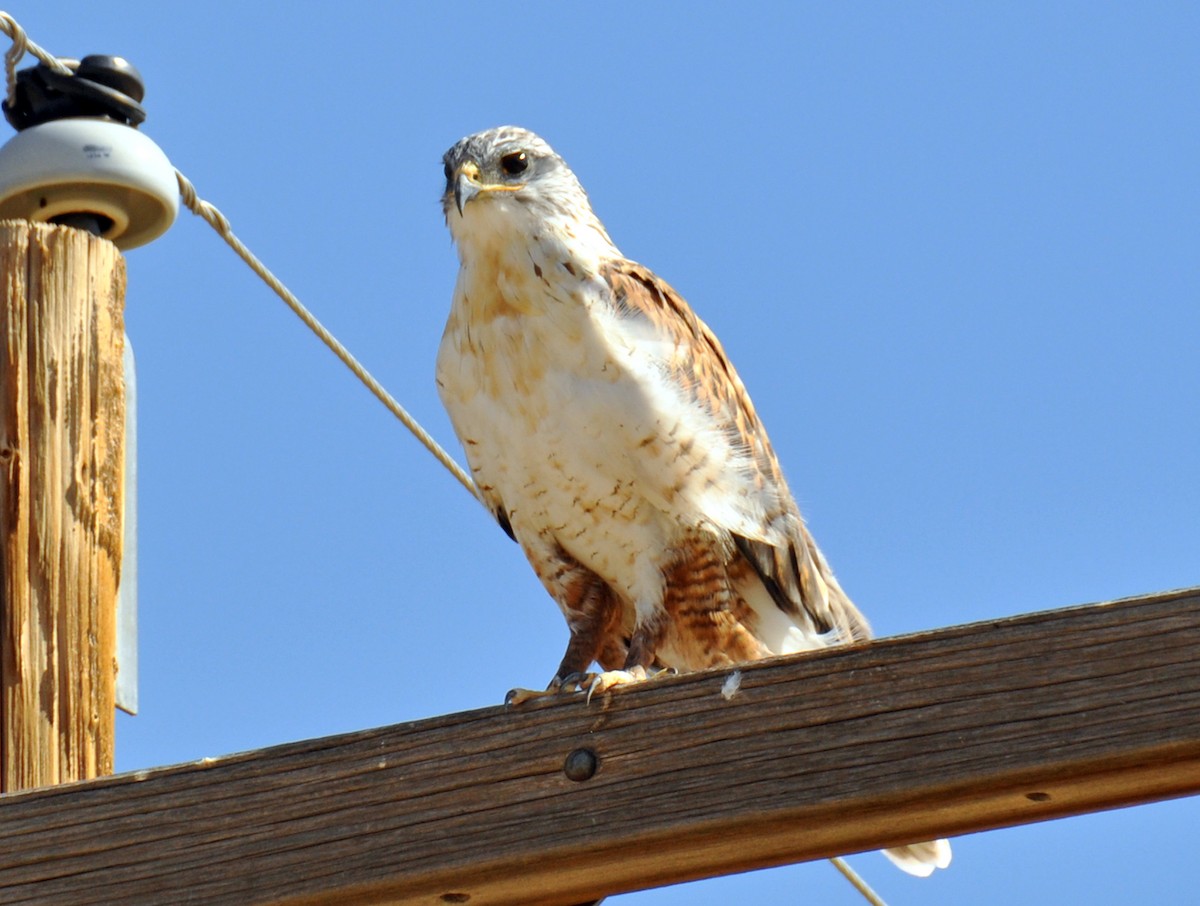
point(613, 440)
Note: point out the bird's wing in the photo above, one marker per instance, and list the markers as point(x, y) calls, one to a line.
point(781, 551)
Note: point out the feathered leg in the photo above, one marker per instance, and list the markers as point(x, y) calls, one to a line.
point(593, 615)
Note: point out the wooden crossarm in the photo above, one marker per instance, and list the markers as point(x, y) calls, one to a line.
point(947, 732)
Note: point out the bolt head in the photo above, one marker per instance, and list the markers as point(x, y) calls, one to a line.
point(580, 765)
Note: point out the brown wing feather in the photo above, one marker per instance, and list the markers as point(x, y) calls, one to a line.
point(795, 573)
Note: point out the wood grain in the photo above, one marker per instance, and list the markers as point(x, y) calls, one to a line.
point(898, 740)
point(62, 417)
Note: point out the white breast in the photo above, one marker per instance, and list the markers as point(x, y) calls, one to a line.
point(569, 417)
point(562, 419)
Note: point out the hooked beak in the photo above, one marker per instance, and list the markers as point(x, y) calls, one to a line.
point(468, 185)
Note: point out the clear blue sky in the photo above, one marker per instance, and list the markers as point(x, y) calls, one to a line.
point(953, 249)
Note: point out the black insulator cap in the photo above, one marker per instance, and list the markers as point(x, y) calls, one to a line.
point(101, 85)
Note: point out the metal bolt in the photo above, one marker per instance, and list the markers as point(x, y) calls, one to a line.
point(581, 765)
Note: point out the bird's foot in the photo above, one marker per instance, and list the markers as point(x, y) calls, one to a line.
point(589, 683)
point(565, 685)
point(517, 697)
point(609, 679)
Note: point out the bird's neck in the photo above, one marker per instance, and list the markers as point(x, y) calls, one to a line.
point(502, 236)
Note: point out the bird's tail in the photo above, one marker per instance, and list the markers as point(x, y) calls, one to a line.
point(920, 859)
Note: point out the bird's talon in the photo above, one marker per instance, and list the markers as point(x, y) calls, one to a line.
point(571, 684)
point(574, 682)
point(517, 697)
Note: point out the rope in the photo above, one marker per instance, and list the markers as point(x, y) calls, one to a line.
point(856, 880)
point(20, 45)
point(206, 211)
point(218, 222)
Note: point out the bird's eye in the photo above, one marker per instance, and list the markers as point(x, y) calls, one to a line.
point(514, 163)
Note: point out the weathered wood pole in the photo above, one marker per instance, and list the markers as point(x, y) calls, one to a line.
point(62, 417)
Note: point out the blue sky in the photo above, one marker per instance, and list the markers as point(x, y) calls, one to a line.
point(952, 249)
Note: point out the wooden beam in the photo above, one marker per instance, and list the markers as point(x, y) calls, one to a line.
point(943, 733)
point(62, 417)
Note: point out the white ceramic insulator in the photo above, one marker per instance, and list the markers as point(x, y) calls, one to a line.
point(94, 166)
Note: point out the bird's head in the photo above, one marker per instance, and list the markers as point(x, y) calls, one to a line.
point(514, 180)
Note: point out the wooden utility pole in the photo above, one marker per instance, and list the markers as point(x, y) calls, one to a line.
point(62, 417)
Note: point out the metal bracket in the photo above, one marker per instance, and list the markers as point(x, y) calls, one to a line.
point(127, 597)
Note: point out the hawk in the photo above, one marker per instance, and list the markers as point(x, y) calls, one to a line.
point(612, 439)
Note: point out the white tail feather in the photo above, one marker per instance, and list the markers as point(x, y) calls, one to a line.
point(920, 859)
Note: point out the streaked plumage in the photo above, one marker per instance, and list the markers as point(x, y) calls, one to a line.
point(612, 438)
